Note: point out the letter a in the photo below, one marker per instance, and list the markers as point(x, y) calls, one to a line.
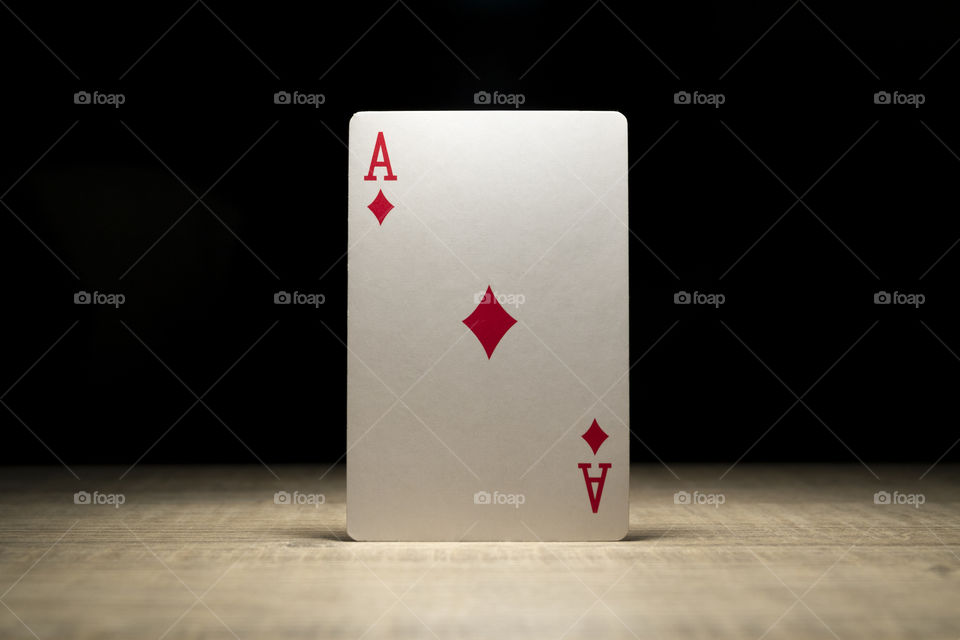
point(380, 148)
point(594, 496)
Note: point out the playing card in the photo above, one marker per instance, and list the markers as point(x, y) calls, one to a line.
point(488, 387)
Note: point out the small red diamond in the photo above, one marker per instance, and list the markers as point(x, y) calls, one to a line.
point(489, 322)
point(380, 207)
point(594, 436)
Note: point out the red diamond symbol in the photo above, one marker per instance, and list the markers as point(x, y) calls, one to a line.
point(489, 322)
point(380, 206)
point(595, 436)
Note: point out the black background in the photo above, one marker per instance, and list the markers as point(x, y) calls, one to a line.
point(199, 80)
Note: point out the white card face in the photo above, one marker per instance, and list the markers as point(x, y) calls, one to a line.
point(473, 416)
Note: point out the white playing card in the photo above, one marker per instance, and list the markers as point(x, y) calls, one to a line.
point(473, 416)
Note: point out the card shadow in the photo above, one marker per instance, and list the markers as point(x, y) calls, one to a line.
point(645, 535)
point(336, 534)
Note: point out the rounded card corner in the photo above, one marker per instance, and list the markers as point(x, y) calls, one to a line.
point(619, 115)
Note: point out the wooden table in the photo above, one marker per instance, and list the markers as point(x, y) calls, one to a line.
point(204, 552)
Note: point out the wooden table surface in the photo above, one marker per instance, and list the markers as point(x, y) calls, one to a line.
point(204, 552)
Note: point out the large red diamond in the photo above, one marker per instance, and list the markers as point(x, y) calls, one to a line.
point(380, 206)
point(489, 322)
point(594, 436)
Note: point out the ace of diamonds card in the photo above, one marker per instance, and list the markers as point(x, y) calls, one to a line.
point(488, 387)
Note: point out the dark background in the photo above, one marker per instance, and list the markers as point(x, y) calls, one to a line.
point(81, 211)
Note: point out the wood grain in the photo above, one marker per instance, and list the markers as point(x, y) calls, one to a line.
point(204, 552)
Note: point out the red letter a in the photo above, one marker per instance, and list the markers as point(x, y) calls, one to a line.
point(380, 148)
point(595, 496)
